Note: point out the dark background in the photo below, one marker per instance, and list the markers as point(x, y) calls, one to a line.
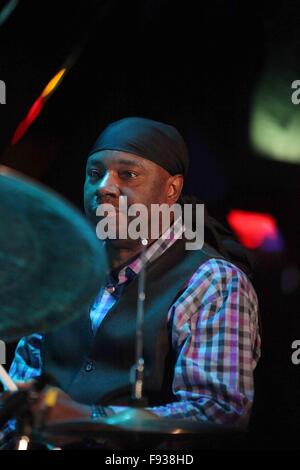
point(192, 64)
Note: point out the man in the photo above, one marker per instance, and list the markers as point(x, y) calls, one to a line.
point(201, 339)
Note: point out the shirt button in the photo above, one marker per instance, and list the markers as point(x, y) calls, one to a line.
point(89, 366)
point(110, 289)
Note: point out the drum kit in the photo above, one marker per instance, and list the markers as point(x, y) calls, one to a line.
point(52, 265)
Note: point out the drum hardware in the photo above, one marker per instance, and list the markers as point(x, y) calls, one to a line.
point(137, 370)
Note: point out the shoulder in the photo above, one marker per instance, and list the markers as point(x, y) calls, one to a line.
point(218, 278)
point(220, 270)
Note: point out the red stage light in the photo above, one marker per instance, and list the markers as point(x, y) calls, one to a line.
point(32, 114)
point(255, 230)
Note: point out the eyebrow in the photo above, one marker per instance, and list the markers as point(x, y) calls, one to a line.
point(124, 161)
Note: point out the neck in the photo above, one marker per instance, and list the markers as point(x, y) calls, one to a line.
point(121, 251)
point(119, 255)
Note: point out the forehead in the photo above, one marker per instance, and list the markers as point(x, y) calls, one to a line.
point(115, 157)
point(110, 157)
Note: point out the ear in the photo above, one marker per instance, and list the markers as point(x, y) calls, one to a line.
point(175, 184)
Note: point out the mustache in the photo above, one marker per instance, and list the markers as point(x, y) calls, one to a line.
point(116, 203)
point(107, 200)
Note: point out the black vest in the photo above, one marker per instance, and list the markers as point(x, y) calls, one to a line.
point(94, 369)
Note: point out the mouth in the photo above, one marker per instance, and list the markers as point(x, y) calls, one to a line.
point(112, 206)
point(101, 212)
point(98, 202)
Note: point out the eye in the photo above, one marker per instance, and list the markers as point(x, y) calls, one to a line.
point(94, 174)
point(127, 174)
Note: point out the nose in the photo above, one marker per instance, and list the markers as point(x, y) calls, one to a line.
point(108, 186)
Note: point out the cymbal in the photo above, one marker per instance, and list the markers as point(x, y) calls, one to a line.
point(133, 421)
point(52, 263)
point(138, 420)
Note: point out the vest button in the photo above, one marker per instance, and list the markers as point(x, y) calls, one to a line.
point(89, 366)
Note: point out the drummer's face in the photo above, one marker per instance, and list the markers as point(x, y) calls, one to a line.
point(111, 174)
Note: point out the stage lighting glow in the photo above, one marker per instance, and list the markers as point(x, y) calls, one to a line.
point(32, 114)
point(275, 140)
point(54, 82)
point(46, 93)
point(38, 105)
point(255, 230)
point(35, 110)
point(274, 127)
point(7, 10)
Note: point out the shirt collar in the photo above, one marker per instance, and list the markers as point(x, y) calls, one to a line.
point(156, 249)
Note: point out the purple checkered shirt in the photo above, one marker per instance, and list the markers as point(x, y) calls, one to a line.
point(214, 325)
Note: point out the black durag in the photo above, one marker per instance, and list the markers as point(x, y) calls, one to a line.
point(162, 144)
point(153, 140)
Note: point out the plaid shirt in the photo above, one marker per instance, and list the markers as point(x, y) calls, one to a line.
point(214, 326)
